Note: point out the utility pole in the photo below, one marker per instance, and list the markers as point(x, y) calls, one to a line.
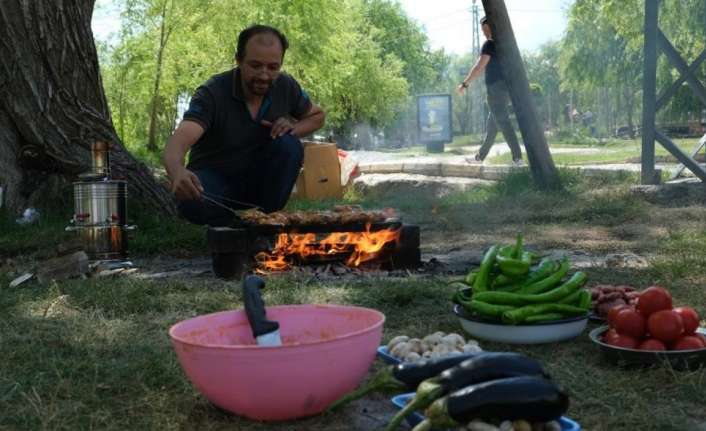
point(541, 164)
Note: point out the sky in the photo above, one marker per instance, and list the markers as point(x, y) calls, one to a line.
point(447, 22)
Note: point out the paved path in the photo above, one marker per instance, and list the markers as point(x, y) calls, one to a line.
point(452, 164)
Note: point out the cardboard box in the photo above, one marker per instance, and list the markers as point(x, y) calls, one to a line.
point(320, 177)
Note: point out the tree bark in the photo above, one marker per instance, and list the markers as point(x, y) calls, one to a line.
point(164, 34)
point(541, 164)
point(52, 105)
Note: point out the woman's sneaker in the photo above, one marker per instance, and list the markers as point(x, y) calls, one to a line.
point(519, 163)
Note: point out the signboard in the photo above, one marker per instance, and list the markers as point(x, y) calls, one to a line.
point(434, 126)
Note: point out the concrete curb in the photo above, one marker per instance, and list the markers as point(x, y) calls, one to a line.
point(473, 170)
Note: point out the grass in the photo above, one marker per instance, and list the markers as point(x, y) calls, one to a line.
point(104, 360)
point(154, 235)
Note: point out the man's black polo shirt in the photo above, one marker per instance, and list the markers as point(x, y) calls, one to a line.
point(232, 137)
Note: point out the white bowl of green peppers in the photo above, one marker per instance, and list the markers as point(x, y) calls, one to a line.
point(534, 333)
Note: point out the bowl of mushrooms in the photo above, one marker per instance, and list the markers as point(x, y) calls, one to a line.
point(403, 348)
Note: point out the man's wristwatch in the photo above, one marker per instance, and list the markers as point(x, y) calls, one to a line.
point(464, 85)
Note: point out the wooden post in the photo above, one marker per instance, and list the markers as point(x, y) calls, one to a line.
point(649, 92)
point(540, 160)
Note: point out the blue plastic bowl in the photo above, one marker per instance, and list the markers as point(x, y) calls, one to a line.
point(386, 356)
point(414, 418)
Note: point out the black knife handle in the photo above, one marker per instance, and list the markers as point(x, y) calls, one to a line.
point(255, 306)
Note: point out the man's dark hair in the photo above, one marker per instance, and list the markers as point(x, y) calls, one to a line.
point(484, 20)
point(254, 30)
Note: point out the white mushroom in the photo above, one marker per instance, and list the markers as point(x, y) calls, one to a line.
point(412, 356)
point(453, 340)
point(426, 354)
point(471, 348)
point(415, 345)
point(432, 340)
point(442, 349)
point(401, 350)
point(477, 425)
point(552, 426)
point(395, 341)
point(521, 425)
point(506, 426)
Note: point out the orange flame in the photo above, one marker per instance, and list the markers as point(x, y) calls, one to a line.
point(358, 246)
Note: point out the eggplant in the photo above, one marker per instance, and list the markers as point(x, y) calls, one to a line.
point(482, 368)
point(404, 377)
point(531, 398)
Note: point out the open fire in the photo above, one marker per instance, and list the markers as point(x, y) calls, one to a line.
point(301, 248)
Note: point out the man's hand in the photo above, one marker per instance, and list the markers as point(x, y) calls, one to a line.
point(280, 127)
point(186, 185)
point(461, 89)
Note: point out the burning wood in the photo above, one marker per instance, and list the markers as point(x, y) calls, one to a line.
point(355, 247)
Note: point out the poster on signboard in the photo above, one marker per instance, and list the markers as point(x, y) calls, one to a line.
point(434, 118)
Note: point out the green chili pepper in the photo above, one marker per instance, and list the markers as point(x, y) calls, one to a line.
point(480, 284)
point(502, 280)
point(517, 251)
point(470, 278)
point(548, 317)
point(519, 299)
point(545, 268)
point(572, 299)
point(585, 300)
point(506, 250)
point(512, 267)
point(513, 317)
point(459, 297)
point(485, 309)
point(548, 282)
point(509, 288)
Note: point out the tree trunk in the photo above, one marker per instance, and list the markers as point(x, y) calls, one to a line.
point(163, 38)
point(52, 105)
point(540, 159)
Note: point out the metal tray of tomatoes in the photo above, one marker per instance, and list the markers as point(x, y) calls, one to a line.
point(677, 359)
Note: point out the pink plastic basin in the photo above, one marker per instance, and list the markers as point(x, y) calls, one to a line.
point(326, 352)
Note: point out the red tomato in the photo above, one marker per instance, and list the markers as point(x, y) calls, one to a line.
point(701, 336)
point(614, 312)
point(629, 322)
point(690, 318)
point(652, 344)
point(610, 336)
point(653, 299)
point(665, 325)
point(624, 341)
point(688, 342)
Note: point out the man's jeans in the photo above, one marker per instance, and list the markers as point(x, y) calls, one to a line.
point(498, 98)
point(267, 183)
